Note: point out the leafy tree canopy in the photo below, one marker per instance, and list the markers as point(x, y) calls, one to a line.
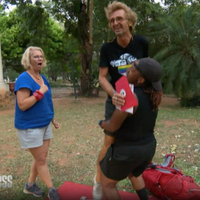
point(180, 53)
point(18, 31)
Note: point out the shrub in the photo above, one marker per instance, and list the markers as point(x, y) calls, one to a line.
point(190, 102)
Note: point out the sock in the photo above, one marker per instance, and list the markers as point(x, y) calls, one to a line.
point(30, 184)
point(142, 194)
point(52, 188)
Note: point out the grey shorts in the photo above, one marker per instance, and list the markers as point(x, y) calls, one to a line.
point(109, 110)
point(32, 138)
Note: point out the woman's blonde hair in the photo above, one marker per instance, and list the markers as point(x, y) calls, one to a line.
point(130, 14)
point(25, 61)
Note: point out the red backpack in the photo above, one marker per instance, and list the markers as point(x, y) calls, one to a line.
point(169, 183)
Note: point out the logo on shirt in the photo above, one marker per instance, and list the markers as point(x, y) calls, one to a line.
point(123, 63)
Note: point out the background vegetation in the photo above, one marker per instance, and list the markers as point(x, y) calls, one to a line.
point(63, 30)
point(72, 32)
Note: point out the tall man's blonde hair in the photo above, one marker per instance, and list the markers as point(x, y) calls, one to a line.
point(130, 14)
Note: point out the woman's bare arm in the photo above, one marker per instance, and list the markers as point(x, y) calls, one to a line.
point(24, 100)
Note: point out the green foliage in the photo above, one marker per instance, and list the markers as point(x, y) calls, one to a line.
point(19, 30)
point(95, 77)
point(180, 53)
point(11, 75)
point(75, 17)
point(36, 24)
point(75, 21)
point(172, 33)
point(11, 50)
point(190, 102)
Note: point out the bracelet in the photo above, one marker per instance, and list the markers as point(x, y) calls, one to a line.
point(38, 95)
point(113, 94)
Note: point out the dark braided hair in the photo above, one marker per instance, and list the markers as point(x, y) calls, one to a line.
point(155, 96)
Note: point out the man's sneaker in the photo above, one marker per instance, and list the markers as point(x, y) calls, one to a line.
point(97, 192)
point(53, 195)
point(34, 190)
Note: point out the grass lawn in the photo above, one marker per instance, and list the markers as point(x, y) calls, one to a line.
point(74, 148)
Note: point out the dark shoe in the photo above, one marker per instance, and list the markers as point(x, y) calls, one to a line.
point(53, 195)
point(34, 190)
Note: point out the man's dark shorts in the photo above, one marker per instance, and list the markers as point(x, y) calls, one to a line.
point(109, 110)
point(121, 161)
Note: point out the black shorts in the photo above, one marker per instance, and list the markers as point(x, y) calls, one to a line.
point(121, 161)
point(109, 110)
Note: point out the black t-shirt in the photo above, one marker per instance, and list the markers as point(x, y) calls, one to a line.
point(118, 59)
point(139, 127)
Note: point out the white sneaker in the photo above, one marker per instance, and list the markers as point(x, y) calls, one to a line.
point(97, 190)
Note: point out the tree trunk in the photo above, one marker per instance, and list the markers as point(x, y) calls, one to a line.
point(87, 46)
point(86, 60)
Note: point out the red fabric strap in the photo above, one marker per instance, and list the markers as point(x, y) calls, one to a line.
point(38, 95)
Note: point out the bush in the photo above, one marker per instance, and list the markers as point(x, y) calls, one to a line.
point(190, 102)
